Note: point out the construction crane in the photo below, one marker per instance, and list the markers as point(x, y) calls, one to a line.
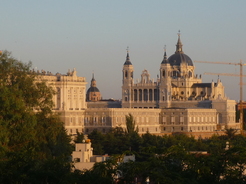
point(241, 64)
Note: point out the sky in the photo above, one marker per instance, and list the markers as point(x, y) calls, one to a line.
point(92, 36)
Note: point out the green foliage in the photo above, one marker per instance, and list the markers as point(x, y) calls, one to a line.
point(79, 138)
point(230, 133)
point(33, 141)
point(97, 139)
point(167, 159)
point(130, 124)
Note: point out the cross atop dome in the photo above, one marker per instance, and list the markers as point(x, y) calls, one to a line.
point(179, 45)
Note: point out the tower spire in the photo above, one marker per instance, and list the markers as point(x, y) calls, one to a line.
point(165, 56)
point(127, 62)
point(179, 45)
point(93, 76)
point(93, 80)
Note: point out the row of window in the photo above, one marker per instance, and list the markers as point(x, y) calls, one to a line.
point(95, 119)
point(202, 119)
point(191, 129)
point(172, 119)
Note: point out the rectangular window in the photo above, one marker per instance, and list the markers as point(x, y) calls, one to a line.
point(172, 119)
point(164, 119)
point(181, 119)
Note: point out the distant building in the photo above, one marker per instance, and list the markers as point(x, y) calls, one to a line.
point(93, 94)
point(69, 99)
point(177, 101)
point(83, 157)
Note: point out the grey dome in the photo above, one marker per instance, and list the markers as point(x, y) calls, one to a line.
point(177, 58)
point(127, 62)
point(93, 89)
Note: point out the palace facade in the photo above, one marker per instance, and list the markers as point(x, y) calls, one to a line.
point(178, 101)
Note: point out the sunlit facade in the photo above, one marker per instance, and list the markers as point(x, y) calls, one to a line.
point(177, 101)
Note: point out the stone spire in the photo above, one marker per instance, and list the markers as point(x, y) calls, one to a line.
point(127, 62)
point(179, 45)
point(93, 81)
point(165, 56)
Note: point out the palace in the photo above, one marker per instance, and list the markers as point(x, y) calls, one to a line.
point(178, 101)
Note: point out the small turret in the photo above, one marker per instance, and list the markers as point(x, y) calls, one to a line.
point(179, 49)
point(93, 93)
point(127, 62)
point(165, 60)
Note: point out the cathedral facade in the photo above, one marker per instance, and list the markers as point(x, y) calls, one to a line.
point(177, 83)
point(176, 87)
point(178, 101)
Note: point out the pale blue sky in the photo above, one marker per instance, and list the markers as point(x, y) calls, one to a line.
point(93, 36)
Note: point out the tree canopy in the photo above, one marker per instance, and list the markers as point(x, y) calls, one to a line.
point(171, 158)
point(33, 141)
point(35, 148)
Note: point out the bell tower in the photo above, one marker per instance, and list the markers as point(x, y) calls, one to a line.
point(165, 86)
point(127, 95)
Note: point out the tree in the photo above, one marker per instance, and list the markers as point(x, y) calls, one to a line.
point(79, 137)
point(230, 133)
point(97, 139)
point(31, 136)
point(102, 172)
point(130, 124)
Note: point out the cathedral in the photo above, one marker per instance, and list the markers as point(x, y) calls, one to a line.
point(177, 83)
point(177, 101)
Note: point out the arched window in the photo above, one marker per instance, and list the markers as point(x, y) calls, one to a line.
point(126, 99)
point(163, 73)
point(145, 95)
point(140, 95)
point(125, 74)
point(150, 95)
point(135, 95)
point(190, 74)
point(174, 74)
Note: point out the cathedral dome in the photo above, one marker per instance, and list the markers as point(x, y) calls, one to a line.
point(92, 89)
point(178, 58)
point(93, 93)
